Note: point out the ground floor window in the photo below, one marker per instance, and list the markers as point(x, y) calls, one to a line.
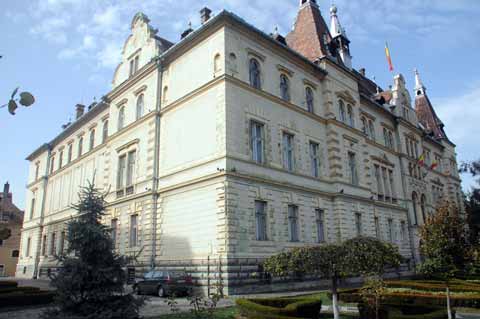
point(260, 220)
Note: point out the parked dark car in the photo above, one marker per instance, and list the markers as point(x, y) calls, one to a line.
point(164, 283)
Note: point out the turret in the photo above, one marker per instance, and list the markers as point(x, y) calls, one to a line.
point(340, 38)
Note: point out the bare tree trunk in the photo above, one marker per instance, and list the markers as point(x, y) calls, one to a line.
point(449, 309)
point(336, 313)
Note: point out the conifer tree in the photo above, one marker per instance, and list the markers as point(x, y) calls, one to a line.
point(90, 283)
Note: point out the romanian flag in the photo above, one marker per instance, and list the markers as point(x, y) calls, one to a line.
point(421, 160)
point(434, 165)
point(389, 58)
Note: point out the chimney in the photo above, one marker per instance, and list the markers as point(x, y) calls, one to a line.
point(80, 108)
point(188, 31)
point(205, 14)
point(6, 191)
point(362, 71)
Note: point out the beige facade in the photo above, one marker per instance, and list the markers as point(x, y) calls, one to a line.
point(186, 184)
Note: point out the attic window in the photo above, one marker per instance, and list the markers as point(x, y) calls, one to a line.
point(419, 92)
point(133, 66)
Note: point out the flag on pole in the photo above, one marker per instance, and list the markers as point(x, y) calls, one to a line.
point(389, 58)
point(434, 165)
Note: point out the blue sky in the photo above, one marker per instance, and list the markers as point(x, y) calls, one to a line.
point(65, 51)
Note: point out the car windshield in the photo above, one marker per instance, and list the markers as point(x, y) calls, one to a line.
point(153, 274)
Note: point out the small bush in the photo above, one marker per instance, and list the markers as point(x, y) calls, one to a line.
point(388, 311)
point(281, 308)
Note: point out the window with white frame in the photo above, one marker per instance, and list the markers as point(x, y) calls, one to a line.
point(80, 146)
point(121, 118)
point(105, 131)
point(260, 220)
point(61, 248)
point(70, 152)
point(44, 245)
point(60, 159)
point(288, 151)
point(32, 206)
point(320, 220)
point(284, 87)
point(125, 173)
point(257, 140)
point(52, 164)
point(352, 165)
point(37, 170)
point(293, 223)
point(140, 107)
point(122, 166)
point(380, 192)
point(358, 224)
point(133, 231)
point(133, 66)
point(371, 128)
point(92, 139)
point(314, 159)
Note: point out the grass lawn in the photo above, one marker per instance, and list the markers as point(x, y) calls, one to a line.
point(326, 301)
point(221, 313)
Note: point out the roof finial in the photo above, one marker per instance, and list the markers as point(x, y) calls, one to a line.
point(335, 26)
point(419, 87)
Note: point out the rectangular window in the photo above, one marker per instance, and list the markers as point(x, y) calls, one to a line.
point(92, 139)
point(32, 207)
point(27, 251)
point(113, 226)
point(320, 214)
point(293, 222)
point(377, 227)
point(52, 244)
point(358, 224)
point(260, 220)
point(61, 248)
point(105, 131)
point(380, 192)
point(121, 171)
point(80, 146)
point(60, 159)
point(132, 67)
point(314, 159)
point(37, 169)
point(52, 164)
point(257, 138)
point(390, 230)
point(403, 230)
point(352, 163)
point(131, 167)
point(386, 183)
point(133, 230)
point(44, 247)
point(288, 151)
point(69, 154)
point(392, 185)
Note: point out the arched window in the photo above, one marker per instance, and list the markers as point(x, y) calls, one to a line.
point(121, 118)
point(284, 87)
point(390, 139)
point(351, 119)
point(309, 99)
point(80, 146)
point(364, 125)
point(343, 116)
point(139, 106)
point(255, 74)
point(415, 202)
point(423, 202)
point(371, 129)
point(92, 140)
point(385, 137)
point(105, 131)
point(232, 60)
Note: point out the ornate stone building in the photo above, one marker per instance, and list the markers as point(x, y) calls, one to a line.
point(233, 144)
point(11, 218)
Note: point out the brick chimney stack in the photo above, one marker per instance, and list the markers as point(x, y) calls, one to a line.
point(6, 193)
point(80, 109)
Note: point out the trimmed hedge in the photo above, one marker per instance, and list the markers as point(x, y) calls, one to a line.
point(7, 285)
point(455, 286)
point(387, 311)
point(24, 299)
point(279, 308)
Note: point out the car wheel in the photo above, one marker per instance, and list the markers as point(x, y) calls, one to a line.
point(161, 292)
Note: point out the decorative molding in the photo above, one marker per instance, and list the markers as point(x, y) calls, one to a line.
point(351, 139)
point(284, 69)
point(122, 102)
point(140, 90)
point(347, 96)
point(383, 159)
point(127, 145)
point(256, 54)
point(310, 84)
point(366, 114)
